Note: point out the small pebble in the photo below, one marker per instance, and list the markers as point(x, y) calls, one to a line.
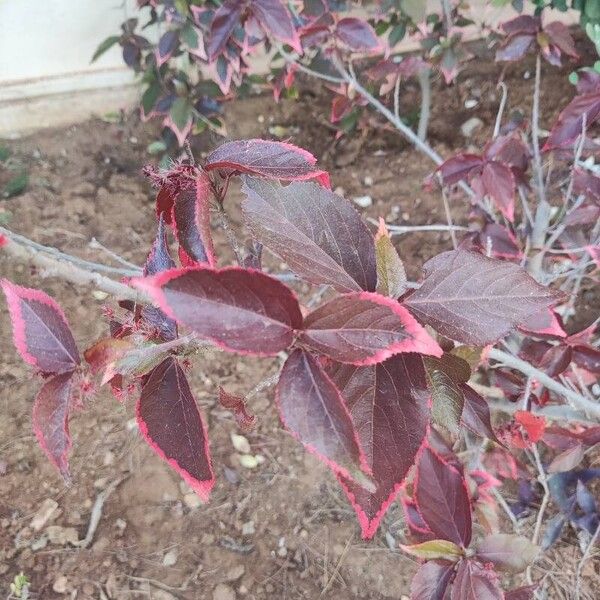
point(248, 528)
point(170, 558)
point(368, 181)
point(363, 201)
point(471, 103)
point(240, 443)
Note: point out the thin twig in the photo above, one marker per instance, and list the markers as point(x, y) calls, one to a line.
point(94, 244)
point(226, 225)
point(402, 229)
point(498, 123)
point(96, 514)
point(586, 555)
point(397, 98)
point(577, 400)
point(61, 266)
point(424, 77)
point(449, 217)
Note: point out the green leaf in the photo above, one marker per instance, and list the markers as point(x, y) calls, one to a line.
point(181, 113)
point(106, 45)
point(189, 36)
point(444, 376)
point(150, 97)
point(156, 147)
point(573, 78)
point(511, 553)
point(397, 34)
point(4, 153)
point(16, 185)
point(391, 276)
point(435, 549)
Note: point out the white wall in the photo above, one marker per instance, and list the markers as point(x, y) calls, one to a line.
point(45, 73)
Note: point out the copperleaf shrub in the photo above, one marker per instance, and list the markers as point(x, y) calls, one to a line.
point(377, 379)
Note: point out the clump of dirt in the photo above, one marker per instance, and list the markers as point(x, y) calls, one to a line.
point(282, 529)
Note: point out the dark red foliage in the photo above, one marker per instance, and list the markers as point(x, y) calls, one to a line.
point(442, 499)
point(365, 328)
point(473, 581)
point(170, 422)
point(502, 296)
point(237, 405)
point(432, 580)
point(239, 310)
point(274, 160)
point(388, 403)
point(51, 411)
point(327, 243)
point(321, 421)
point(357, 34)
point(40, 330)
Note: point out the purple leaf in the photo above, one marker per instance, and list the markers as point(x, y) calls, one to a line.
point(313, 410)
point(509, 150)
point(170, 422)
point(224, 22)
point(510, 553)
point(274, 160)
point(239, 310)
point(567, 460)
point(459, 167)
point(357, 34)
point(521, 24)
point(389, 408)
point(586, 183)
point(499, 183)
point(523, 593)
point(41, 333)
point(442, 498)
point(476, 300)
point(476, 414)
point(431, 581)
point(317, 233)
point(474, 582)
point(569, 124)
point(364, 329)
point(191, 219)
point(159, 259)
point(560, 36)
point(166, 46)
point(276, 20)
point(51, 411)
point(515, 47)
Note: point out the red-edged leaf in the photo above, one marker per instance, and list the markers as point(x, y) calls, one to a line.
point(459, 167)
point(170, 422)
point(389, 407)
point(364, 329)
point(224, 22)
point(357, 34)
point(570, 121)
point(51, 411)
point(586, 183)
point(275, 160)
point(523, 593)
point(180, 119)
point(313, 410)
point(41, 333)
point(391, 275)
point(532, 424)
point(191, 219)
point(510, 150)
point(544, 324)
point(239, 310)
point(320, 235)
point(431, 581)
point(159, 260)
point(167, 44)
point(276, 20)
point(477, 300)
point(501, 240)
point(237, 405)
point(476, 414)
point(515, 47)
point(560, 36)
point(442, 498)
point(511, 553)
point(475, 582)
point(499, 183)
point(556, 360)
point(521, 24)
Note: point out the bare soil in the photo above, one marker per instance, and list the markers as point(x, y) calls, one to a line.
point(280, 530)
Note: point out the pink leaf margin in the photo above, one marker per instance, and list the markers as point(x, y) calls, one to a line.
point(310, 448)
point(368, 526)
point(14, 293)
point(201, 487)
point(153, 286)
